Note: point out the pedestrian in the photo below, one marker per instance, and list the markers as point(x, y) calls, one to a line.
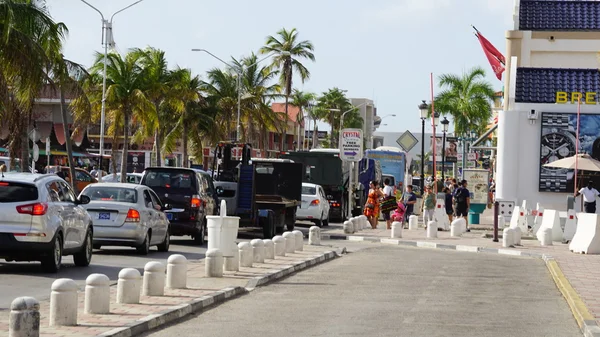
point(589, 197)
point(448, 203)
point(454, 185)
point(462, 198)
point(371, 210)
point(429, 201)
point(388, 203)
point(410, 199)
point(94, 172)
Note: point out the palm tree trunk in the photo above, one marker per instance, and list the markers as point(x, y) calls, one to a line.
point(285, 124)
point(68, 145)
point(157, 138)
point(331, 120)
point(185, 144)
point(315, 137)
point(126, 116)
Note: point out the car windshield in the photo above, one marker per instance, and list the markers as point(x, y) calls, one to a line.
point(117, 194)
point(17, 192)
point(310, 190)
point(170, 179)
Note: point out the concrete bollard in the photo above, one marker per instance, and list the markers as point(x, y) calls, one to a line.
point(314, 236)
point(517, 236)
point(154, 279)
point(546, 239)
point(97, 294)
point(63, 303)
point(270, 249)
point(246, 254)
point(299, 240)
point(213, 263)
point(363, 222)
point(290, 242)
point(397, 230)
point(432, 229)
point(413, 223)
point(279, 243)
point(258, 250)
point(232, 263)
point(348, 227)
point(177, 272)
point(24, 319)
point(128, 286)
point(508, 237)
point(456, 228)
point(355, 224)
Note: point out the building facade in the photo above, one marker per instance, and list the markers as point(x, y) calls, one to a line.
point(368, 112)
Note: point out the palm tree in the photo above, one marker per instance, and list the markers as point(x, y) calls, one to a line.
point(288, 52)
point(125, 98)
point(335, 102)
point(222, 92)
point(467, 98)
point(304, 101)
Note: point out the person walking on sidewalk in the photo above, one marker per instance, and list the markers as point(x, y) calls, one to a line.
point(462, 196)
point(388, 193)
point(371, 210)
point(429, 201)
point(589, 197)
point(448, 203)
point(410, 199)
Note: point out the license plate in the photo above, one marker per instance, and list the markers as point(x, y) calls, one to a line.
point(103, 216)
point(169, 216)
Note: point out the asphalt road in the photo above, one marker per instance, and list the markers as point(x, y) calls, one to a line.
point(394, 291)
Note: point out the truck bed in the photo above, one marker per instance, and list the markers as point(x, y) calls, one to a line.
point(264, 199)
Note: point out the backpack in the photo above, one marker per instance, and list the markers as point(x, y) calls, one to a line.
point(460, 196)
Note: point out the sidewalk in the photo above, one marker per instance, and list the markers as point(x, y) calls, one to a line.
point(201, 293)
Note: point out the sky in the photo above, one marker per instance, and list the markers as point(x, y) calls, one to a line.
point(383, 50)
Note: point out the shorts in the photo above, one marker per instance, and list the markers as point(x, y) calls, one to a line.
point(449, 211)
point(386, 215)
point(462, 211)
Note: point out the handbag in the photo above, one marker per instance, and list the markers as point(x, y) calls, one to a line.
point(389, 204)
point(370, 205)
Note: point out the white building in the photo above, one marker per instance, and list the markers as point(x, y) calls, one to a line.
point(368, 112)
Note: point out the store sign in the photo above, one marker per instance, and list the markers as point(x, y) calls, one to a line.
point(563, 97)
point(351, 145)
point(478, 185)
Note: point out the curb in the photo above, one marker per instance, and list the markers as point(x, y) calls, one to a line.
point(201, 304)
point(585, 320)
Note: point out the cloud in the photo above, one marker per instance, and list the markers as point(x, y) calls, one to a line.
point(406, 10)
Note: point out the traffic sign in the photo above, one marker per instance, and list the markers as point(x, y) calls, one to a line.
point(407, 141)
point(351, 145)
point(36, 152)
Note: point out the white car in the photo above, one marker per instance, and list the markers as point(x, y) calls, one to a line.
point(315, 206)
point(133, 178)
point(127, 215)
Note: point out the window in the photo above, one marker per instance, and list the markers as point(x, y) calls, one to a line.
point(17, 192)
point(82, 176)
point(55, 193)
point(309, 190)
point(148, 200)
point(155, 199)
point(209, 183)
point(69, 195)
point(170, 179)
point(117, 194)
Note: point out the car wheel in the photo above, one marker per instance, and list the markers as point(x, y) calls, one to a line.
point(84, 256)
point(144, 248)
point(51, 263)
point(319, 222)
point(164, 246)
point(199, 237)
point(326, 221)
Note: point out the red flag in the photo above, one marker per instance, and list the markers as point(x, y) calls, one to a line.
point(487, 45)
point(495, 58)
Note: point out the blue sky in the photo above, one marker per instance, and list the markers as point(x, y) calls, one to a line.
point(378, 49)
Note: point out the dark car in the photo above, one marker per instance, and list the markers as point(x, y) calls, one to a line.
point(189, 193)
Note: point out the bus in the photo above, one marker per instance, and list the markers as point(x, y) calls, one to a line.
point(393, 164)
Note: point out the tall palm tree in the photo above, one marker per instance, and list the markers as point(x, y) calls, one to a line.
point(304, 101)
point(336, 103)
point(467, 98)
point(222, 92)
point(125, 97)
point(288, 53)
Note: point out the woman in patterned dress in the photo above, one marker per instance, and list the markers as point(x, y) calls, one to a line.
point(371, 210)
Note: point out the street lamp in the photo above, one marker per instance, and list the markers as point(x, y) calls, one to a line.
point(107, 39)
point(445, 123)
point(423, 113)
point(240, 72)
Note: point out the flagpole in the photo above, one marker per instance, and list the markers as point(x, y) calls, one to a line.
point(433, 125)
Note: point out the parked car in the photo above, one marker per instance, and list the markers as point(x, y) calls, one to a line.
point(132, 178)
point(127, 215)
point(315, 206)
point(82, 177)
point(43, 220)
point(190, 194)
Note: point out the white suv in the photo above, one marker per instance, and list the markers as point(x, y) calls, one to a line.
point(42, 220)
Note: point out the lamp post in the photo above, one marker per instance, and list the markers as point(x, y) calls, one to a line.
point(240, 72)
point(107, 39)
point(445, 122)
point(423, 113)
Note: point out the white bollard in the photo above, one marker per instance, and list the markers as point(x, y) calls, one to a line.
point(508, 237)
point(24, 319)
point(413, 223)
point(63, 303)
point(279, 243)
point(128, 286)
point(517, 236)
point(290, 242)
point(232, 263)
point(246, 254)
point(355, 224)
point(154, 279)
point(456, 228)
point(432, 229)
point(258, 250)
point(97, 294)
point(363, 221)
point(501, 222)
point(397, 230)
point(270, 248)
point(177, 272)
point(314, 236)
point(348, 227)
point(299, 240)
point(213, 266)
point(546, 239)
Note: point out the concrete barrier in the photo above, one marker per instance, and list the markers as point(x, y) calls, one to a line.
point(519, 219)
point(363, 222)
point(129, 286)
point(551, 220)
point(290, 242)
point(413, 223)
point(432, 229)
point(517, 236)
point(270, 248)
point(508, 237)
point(348, 227)
point(456, 227)
point(397, 230)
point(232, 263)
point(258, 250)
point(153, 283)
point(441, 217)
point(177, 272)
point(63, 303)
point(279, 243)
point(587, 236)
point(246, 254)
point(501, 222)
point(545, 236)
point(537, 222)
point(314, 236)
point(97, 294)
point(213, 263)
point(570, 225)
point(24, 318)
point(300, 239)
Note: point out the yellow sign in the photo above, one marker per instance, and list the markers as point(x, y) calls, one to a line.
point(563, 97)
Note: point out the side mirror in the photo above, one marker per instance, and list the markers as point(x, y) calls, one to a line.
point(167, 207)
point(83, 200)
point(220, 191)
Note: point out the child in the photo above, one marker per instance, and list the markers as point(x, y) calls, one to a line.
point(398, 214)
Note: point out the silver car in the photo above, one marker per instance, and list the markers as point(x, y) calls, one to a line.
point(43, 220)
point(127, 215)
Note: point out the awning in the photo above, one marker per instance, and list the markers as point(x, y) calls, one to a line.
point(59, 132)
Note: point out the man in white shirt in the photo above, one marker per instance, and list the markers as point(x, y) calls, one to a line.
point(589, 197)
point(388, 191)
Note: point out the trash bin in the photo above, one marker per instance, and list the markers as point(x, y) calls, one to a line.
point(223, 231)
